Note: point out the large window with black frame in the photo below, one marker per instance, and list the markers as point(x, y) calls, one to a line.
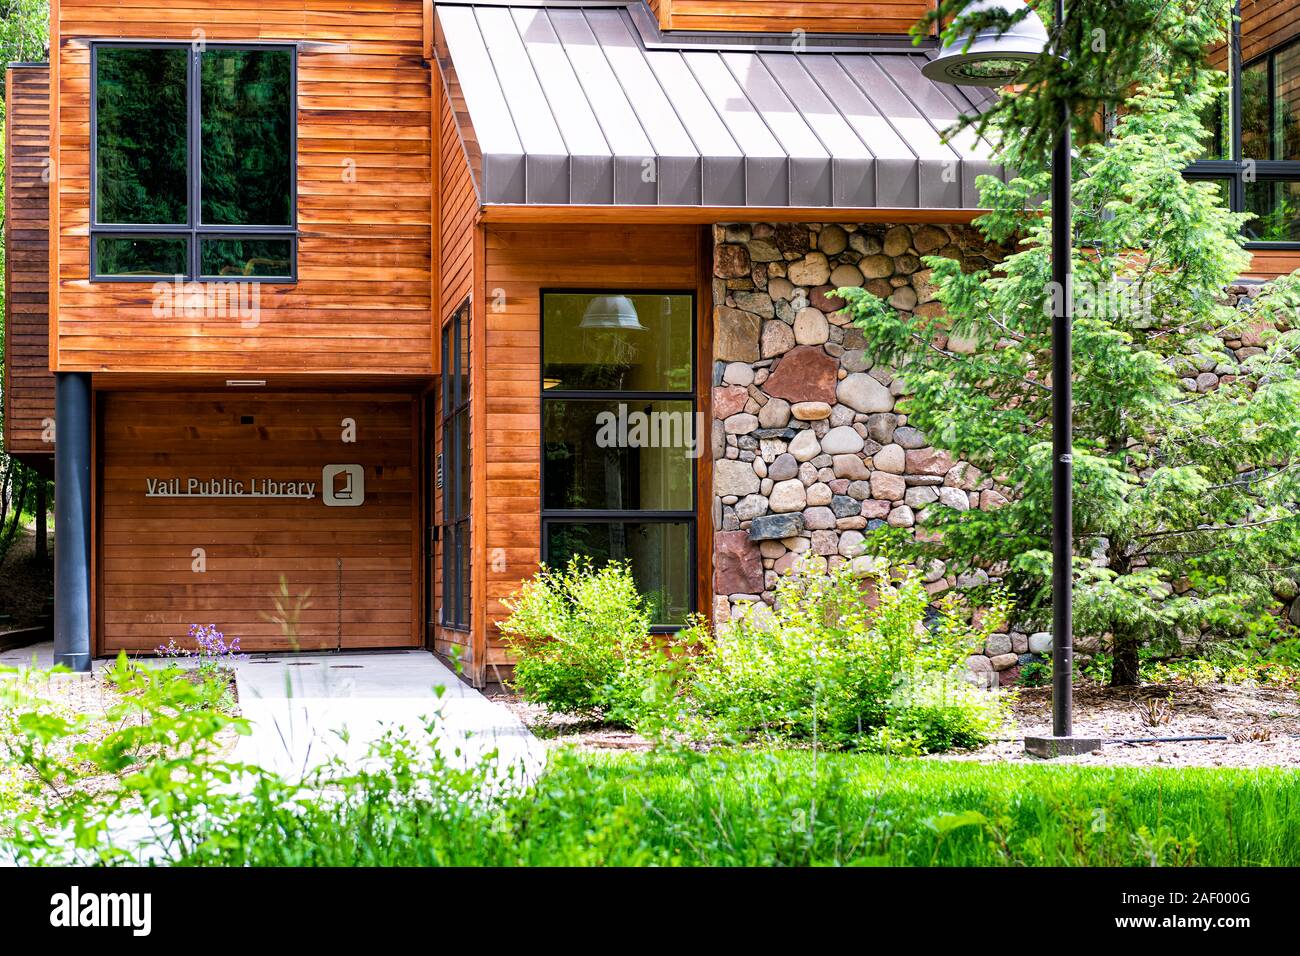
point(454, 471)
point(619, 438)
point(1253, 151)
point(193, 162)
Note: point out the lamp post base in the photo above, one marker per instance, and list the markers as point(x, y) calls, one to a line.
point(1049, 747)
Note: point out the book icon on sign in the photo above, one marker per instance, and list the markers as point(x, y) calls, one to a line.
point(343, 486)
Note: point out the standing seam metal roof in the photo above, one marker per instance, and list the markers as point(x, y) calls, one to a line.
point(570, 105)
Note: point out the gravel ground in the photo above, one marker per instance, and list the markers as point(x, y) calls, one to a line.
point(1262, 725)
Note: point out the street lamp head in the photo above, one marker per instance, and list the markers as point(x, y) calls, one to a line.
point(989, 58)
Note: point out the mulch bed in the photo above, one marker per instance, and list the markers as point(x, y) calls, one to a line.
point(1262, 725)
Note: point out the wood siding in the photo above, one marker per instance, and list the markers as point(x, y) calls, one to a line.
point(812, 16)
point(362, 301)
point(519, 263)
point(1267, 24)
point(361, 564)
point(29, 385)
point(458, 209)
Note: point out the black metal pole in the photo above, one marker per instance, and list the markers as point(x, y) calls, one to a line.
point(72, 520)
point(1062, 428)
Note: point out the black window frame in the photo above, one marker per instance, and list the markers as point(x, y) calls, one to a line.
point(455, 417)
point(551, 516)
point(194, 231)
point(1234, 171)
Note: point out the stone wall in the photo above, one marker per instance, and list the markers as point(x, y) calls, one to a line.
point(809, 450)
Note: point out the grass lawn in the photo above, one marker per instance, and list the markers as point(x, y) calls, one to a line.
point(744, 807)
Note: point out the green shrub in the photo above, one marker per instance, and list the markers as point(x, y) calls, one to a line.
point(582, 645)
point(847, 659)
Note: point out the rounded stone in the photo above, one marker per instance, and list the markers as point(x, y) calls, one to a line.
point(811, 270)
point(904, 298)
point(778, 338)
point(918, 496)
point(741, 424)
point(891, 458)
point(877, 267)
point(846, 275)
point(978, 664)
point(954, 498)
point(810, 411)
point(738, 373)
point(804, 446)
point(887, 487)
point(897, 240)
point(819, 494)
point(1040, 643)
point(909, 437)
point(862, 393)
point(901, 517)
point(784, 467)
point(851, 543)
point(732, 477)
point(811, 327)
point(750, 507)
point(998, 644)
point(788, 496)
point(819, 519)
point(832, 240)
point(775, 414)
point(1004, 661)
point(842, 440)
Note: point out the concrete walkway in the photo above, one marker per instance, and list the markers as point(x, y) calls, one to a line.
point(307, 708)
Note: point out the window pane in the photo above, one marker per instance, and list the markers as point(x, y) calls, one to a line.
point(131, 256)
point(1286, 83)
point(246, 115)
point(660, 554)
point(1277, 204)
point(618, 456)
point(463, 463)
point(1217, 117)
point(1255, 126)
point(141, 141)
point(246, 257)
point(617, 342)
point(462, 557)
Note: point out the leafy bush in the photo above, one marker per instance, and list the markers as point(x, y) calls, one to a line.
point(582, 644)
point(154, 752)
point(848, 660)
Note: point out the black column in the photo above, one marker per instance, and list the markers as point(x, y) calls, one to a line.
point(72, 520)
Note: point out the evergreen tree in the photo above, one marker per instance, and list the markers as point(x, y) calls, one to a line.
point(1184, 500)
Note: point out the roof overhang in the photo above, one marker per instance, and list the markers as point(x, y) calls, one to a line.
point(564, 105)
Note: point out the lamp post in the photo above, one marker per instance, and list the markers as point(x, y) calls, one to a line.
point(993, 57)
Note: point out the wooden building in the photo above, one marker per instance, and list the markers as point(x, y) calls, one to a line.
point(316, 306)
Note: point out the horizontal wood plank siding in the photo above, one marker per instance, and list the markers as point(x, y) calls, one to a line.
point(771, 16)
point(357, 562)
point(1267, 24)
point(363, 299)
point(29, 385)
point(520, 262)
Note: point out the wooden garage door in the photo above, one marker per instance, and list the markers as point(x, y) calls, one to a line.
point(207, 500)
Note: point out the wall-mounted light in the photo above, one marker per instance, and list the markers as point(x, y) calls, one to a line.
point(245, 383)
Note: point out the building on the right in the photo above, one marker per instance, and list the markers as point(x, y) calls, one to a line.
point(1255, 151)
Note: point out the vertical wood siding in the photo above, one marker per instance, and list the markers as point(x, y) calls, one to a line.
point(363, 299)
point(29, 385)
